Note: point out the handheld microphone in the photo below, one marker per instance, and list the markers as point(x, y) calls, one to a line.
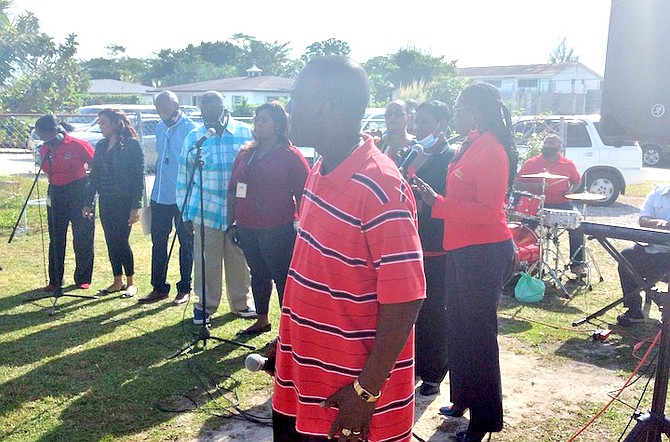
point(408, 161)
point(210, 133)
point(256, 362)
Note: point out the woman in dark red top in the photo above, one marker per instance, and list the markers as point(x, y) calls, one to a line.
point(64, 161)
point(479, 250)
point(263, 198)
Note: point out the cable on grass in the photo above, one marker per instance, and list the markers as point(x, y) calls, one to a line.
point(637, 368)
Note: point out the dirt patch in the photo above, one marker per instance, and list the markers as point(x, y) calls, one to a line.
point(535, 390)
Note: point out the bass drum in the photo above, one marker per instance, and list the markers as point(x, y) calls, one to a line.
point(526, 250)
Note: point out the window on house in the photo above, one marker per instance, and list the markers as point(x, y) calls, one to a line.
point(527, 83)
point(237, 100)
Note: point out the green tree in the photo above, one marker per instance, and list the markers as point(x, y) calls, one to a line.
point(563, 54)
point(52, 82)
point(37, 74)
point(331, 46)
point(412, 72)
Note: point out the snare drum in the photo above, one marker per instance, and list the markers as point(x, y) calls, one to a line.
point(564, 219)
point(526, 249)
point(523, 205)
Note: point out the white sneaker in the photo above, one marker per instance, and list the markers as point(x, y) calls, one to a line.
point(247, 313)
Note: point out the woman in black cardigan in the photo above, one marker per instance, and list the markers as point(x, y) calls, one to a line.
point(117, 176)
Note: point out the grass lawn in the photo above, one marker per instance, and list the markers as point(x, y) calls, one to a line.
point(100, 370)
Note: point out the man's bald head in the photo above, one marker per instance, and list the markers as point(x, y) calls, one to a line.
point(167, 106)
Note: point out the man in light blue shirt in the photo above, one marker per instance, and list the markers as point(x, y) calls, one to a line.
point(217, 155)
point(165, 208)
point(652, 261)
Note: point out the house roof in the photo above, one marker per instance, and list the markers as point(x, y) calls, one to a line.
point(522, 70)
point(109, 86)
point(236, 84)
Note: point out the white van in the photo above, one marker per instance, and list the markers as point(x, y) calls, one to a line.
point(606, 168)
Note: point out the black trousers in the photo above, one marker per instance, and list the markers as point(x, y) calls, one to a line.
point(268, 253)
point(283, 430)
point(163, 218)
point(474, 277)
point(651, 266)
point(65, 208)
point(114, 214)
point(431, 329)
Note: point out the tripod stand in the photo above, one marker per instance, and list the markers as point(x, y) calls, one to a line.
point(55, 265)
point(589, 259)
point(204, 333)
point(652, 425)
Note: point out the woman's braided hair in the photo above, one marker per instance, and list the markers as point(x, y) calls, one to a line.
point(495, 118)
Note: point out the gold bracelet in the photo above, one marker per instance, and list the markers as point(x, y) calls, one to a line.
point(365, 394)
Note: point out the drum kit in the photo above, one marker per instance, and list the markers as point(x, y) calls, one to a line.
point(536, 230)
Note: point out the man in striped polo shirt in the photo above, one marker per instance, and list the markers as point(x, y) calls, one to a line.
point(345, 353)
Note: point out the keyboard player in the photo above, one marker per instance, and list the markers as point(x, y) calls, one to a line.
point(651, 261)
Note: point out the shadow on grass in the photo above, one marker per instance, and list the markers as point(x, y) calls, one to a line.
point(120, 388)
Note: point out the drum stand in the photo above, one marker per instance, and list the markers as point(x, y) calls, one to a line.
point(548, 238)
point(589, 259)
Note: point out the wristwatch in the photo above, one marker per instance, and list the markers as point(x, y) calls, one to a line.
point(364, 394)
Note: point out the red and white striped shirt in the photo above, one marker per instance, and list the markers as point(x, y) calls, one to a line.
point(357, 247)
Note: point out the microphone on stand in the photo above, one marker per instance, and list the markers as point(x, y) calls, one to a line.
point(408, 161)
point(210, 133)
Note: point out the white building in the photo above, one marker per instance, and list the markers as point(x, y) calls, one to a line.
point(255, 88)
point(559, 88)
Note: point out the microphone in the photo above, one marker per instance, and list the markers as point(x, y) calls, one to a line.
point(408, 161)
point(210, 133)
point(256, 362)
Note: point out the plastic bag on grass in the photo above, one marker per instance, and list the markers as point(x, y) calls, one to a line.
point(529, 289)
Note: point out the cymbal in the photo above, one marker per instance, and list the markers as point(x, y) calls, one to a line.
point(547, 175)
point(585, 196)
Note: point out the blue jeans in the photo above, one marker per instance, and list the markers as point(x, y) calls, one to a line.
point(268, 253)
point(163, 218)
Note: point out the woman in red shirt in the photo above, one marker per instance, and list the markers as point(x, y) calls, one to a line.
point(479, 249)
point(263, 198)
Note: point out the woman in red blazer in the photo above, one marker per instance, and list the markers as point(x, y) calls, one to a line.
point(479, 249)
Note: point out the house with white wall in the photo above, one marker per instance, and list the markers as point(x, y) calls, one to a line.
point(255, 88)
point(565, 88)
point(108, 86)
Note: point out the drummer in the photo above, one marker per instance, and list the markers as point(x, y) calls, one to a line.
point(551, 160)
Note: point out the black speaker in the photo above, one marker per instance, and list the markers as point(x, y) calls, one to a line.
point(636, 85)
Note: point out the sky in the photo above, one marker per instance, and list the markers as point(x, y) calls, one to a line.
point(471, 32)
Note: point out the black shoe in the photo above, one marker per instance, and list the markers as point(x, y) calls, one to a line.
point(469, 436)
point(632, 316)
point(452, 411)
point(429, 389)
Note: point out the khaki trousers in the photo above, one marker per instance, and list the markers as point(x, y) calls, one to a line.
point(220, 254)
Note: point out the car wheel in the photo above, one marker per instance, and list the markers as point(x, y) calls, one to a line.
point(606, 184)
point(651, 155)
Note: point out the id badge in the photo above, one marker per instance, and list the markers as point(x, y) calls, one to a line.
point(48, 201)
point(241, 190)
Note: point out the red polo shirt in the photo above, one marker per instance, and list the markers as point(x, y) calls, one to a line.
point(556, 188)
point(357, 247)
point(272, 183)
point(473, 208)
point(68, 160)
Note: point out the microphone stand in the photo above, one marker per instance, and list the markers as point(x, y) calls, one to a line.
point(58, 289)
point(204, 334)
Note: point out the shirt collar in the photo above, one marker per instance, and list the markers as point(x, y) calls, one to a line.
point(352, 164)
